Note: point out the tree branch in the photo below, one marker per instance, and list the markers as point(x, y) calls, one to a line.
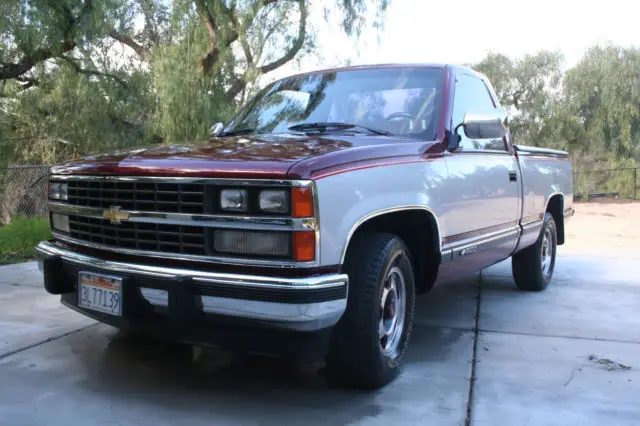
point(150, 27)
point(68, 43)
point(29, 82)
point(81, 70)
point(207, 17)
point(241, 32)
point(265, 39)
point(142, 51)
point(297, 44)
point(126, 123)
point(213, 54)
point(253, 12)
point(211, 57)
point(515, 97)
point(238, 86)
point(247, 51)
point(9, 70)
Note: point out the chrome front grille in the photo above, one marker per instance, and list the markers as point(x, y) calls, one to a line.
point(156, 237)
point(139, 196)
point(178, 218)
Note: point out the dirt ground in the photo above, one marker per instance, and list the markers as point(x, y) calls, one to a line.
point(611, 224)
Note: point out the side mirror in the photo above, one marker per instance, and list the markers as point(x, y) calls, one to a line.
point(216, 129)
point(490, 124)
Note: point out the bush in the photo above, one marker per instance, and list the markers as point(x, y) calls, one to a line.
point(18, 239)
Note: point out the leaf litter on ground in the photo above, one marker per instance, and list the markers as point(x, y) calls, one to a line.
point(605, 363)
point(608, 364)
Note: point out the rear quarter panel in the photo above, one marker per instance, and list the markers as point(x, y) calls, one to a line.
point(545, 173)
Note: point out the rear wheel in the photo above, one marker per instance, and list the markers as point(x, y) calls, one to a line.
point(532, 267)
point(369, 342)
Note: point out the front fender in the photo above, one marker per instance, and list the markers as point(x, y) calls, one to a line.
point(348, 200)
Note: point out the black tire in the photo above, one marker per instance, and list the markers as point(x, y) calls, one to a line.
point(528, 268)
point(356, 357)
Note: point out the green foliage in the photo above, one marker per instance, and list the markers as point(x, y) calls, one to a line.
point(604, 91)
point(67, 117)
point(592, 110)
point(606, 175)
point(188, 103)
point(529, 88)
point(355, 13)
point(18, 239)
point(79, 77)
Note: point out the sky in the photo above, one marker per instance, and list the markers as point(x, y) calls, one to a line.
point(464, 31)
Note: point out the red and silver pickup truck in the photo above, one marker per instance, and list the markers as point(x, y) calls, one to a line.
point(307, 224)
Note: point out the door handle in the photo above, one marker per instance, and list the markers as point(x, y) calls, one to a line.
point(513, 176)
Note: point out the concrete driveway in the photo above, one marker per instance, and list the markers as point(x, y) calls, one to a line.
point(567, 356)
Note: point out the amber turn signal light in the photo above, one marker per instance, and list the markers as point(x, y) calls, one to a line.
point(301, 202)
point(304, 246)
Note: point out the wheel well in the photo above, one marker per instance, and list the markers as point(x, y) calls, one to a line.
point(419, 231)
point(555, 206)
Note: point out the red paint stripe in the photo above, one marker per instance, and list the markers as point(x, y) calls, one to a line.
point(368, 166)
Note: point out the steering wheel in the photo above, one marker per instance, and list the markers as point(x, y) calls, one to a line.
point(400, 114)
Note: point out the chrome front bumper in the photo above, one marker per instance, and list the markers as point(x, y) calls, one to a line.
point(303, 304)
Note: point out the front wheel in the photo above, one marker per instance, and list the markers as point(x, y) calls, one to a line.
point(370, 340)
point(532, 267)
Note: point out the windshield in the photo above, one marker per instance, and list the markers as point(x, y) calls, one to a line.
point(401, 100)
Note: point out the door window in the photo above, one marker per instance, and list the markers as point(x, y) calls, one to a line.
point(471, 95)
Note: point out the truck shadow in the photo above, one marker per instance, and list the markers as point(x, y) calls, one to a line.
point(274, 390)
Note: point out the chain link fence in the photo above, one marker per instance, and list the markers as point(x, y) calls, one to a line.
point(23, 192)
point(606, 183)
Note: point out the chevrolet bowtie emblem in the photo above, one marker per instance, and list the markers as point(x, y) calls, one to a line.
point(114, 215)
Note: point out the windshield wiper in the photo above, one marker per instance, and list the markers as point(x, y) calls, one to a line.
point(324, 126)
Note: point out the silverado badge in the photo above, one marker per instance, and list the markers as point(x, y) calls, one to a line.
point(114, 215)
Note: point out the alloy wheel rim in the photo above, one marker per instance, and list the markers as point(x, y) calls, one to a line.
point(546, 253)
point(392, 311)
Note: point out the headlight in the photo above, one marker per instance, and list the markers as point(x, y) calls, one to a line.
point(59, 191)
point(274, 201)
point(64, 191)
point(60, 222)
point(234, 200)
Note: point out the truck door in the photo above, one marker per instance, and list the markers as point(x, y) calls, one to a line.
point(481, 221)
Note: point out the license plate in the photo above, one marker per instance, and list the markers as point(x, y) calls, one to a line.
point(98, 292)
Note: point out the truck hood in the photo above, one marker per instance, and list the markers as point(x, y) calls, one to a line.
point(258, 157)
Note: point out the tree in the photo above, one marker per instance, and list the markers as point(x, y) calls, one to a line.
point(592, 110)
point(80, 76)
point(603, 93)
point(530, 88)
